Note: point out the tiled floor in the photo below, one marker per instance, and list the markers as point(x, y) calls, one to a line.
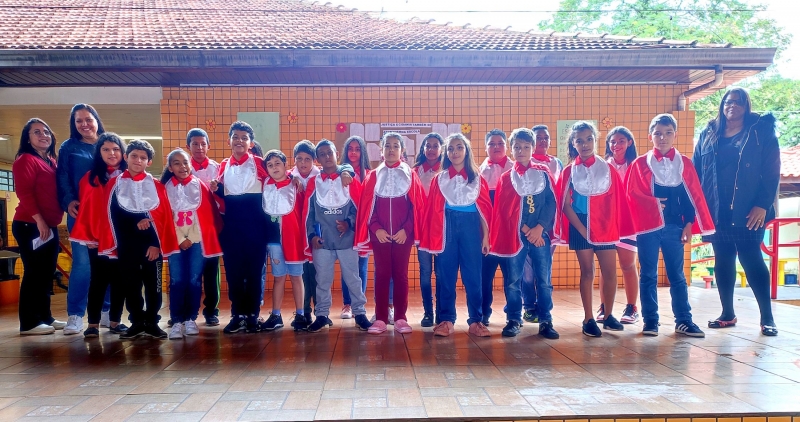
point(344, 373)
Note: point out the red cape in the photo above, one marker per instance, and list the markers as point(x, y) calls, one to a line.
point(647, 209)
point(293, 232)
point(433, 236)
point(606, 218)
point(355, 197)
point(209, 222)
point(261, 173)
point(87, 226)
point(505, 237)
point(415, 194)
point(105, 237)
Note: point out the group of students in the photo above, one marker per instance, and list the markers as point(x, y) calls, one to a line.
point(301, 220)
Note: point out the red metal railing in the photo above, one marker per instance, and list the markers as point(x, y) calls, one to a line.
point(772, 253)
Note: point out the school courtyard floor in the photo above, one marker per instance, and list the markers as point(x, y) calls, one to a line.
point(735, 375)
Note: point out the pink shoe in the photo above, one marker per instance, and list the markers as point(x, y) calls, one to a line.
point(402, 327)
point(378, 327)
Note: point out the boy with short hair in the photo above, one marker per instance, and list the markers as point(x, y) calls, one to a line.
point(206, 169)
point(330, 218)
point(522, 219)
point(667, 205)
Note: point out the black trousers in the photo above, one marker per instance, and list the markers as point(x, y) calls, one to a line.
point(211, 287)
point(39, 266)
point(244, 259)
point(309, 286)
point(136, 271)
point(105, 272)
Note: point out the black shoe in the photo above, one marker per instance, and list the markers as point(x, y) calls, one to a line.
point(320, 323)
point(119, 329)
point(689, 328)
point(427, 320)
point(611, 323)
point(154, 331)
point(136, 330)
point(769, 330)
point(511, 329)
point(547, 331)
point(237, 324)
point(591, 329)
point(650, 329)
point(530, 316)
point(272, 323)
point(253, 324)
point(212, 321)
point(91, 332)
point(170, 323)
point(300, 323)
point(362, 322)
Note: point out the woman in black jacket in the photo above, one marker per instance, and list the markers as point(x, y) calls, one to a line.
point(738, 161)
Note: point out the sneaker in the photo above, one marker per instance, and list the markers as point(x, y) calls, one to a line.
point(478, 329)
point(530, 316)
point(274, 322)
point(58, 325)
point(650, 329)
point(444, 329)
point(391, 315)
point(630, 315)
point(38, 330)
point(721, 323)
point(300, 323)
point(318, 324)
point(119, 329)
point(377, 327)
point(362, 323)
point(190, 328)
point(74, 325)
point(689, 328)
point(154, 331)
point(253, 324)
point(511, 329)
point(237, 324)
point(347, 312)
point(212, 321)
point(611, 323)
point(402, 327)
point(547, 331)
point(591, 329)
point(427, 320)
point(176, 331)
point(91, 332)
point(136, 330)
point(601, 314)
point(104, 320)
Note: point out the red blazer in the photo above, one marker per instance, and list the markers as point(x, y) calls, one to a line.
point(208, 221)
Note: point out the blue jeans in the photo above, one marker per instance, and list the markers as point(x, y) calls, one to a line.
point(488, 271)
point(541, 262)
point(668, 239)
point(362, 273)
point(79, 278)
point(425, 272)
point(462, 249)
point(186, 283)
point(529, 283)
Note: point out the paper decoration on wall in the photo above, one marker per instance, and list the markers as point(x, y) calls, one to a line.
point(412, 133)
point(564, 128)
point(341, 127)
point(372, 132)
point(357, 129)
point(373, 151)
point(292, 118)
point(411, 145)
point(452, 128)
point(466, 128)
point(211, 124)
point(608, 122)
point(441, 129)
point(266, 125)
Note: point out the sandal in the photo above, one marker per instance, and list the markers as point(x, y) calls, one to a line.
point(769, 330)
point(718, 323)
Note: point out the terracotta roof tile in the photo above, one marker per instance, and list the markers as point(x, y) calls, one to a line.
point(263, 24)
point(790, 162)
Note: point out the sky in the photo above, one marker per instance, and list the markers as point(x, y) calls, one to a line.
point(523, 15)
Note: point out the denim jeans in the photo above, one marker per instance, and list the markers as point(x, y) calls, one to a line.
point(186, 283)
point(425, 272)
point(362, 273)
point(324, 259)
point(668, 239)
point(79, 277)
point(462, 249)
point(541, 262)
point(529, 283)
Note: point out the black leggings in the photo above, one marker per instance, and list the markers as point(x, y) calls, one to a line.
point(105, 273)
point(749, 252)
point(37, 280)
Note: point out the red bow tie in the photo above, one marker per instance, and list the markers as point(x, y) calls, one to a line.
point(138, 178)
point(110, 170)
point(435, 167)
point(501, 163)
point(394, 166)
point(659, 156)
point(184, 182)
point(235, 162)
point(519, 168)
point(588, 162)
point(542, 158)
point(453, 173)
point(200, 166)
point(325, 176)
point(280, 184)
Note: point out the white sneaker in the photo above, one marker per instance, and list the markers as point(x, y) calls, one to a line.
point(58, 325)
point(176, 332)
point(347, 312)
point(104, 320)
point(191, 328)
point(38, 330)
point(74, 325)
point(391, 315)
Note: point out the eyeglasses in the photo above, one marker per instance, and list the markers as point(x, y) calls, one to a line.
point(731, 103)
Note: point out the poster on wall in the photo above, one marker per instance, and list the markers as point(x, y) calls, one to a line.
point(412, 133)
point(563, 128)
point(266, 126)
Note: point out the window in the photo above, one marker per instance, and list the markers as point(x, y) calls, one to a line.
point(6, 181)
